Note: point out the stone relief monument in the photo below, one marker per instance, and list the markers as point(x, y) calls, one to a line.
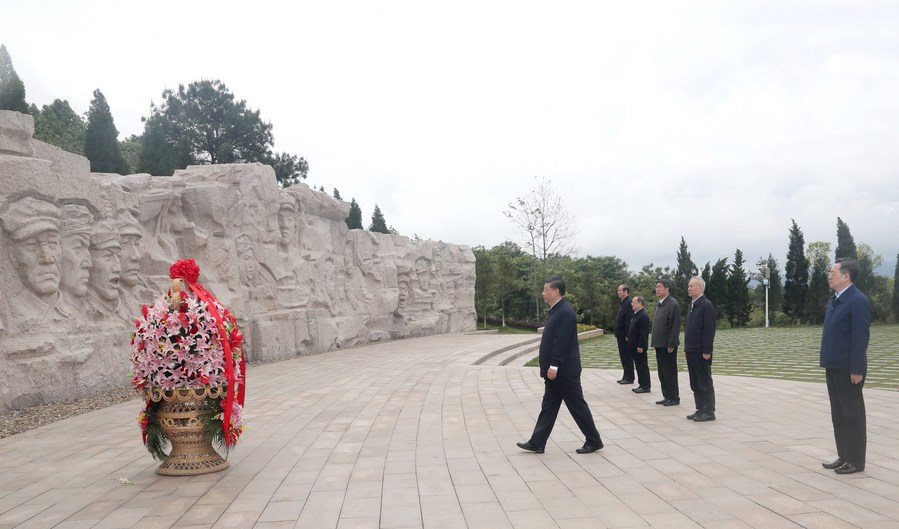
point(80, 252)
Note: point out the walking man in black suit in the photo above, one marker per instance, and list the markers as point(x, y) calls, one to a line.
point(699, 338)
point(638, 341)
point(622, 324)
point(844, 356)
point(665, 339)
point(560, 367)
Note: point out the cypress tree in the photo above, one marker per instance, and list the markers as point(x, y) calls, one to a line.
point(818, 287)
point(101, 144)
point(896, 290)
point(354, 219)
point(796, 276)
point(685, 269)
point(706, 274)
point(12, 89)
point(378, 224)
point(738, 307)
point(716, 287)
point(775, 285)
point(845, 242)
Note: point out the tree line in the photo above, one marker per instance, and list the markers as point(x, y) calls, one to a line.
point(508, 276)
point(201, 123)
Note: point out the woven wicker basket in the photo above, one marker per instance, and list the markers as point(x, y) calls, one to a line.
point(192, 453)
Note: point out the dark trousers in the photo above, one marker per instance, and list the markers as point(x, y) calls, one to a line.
point(567, 389)
point(627, 361)
point(700, 371)
point(667, 363)
point(847, 410)
point(641, 361)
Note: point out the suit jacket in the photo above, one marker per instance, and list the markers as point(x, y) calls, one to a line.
point(699, 330)
point(638, 333)
point(558, 346)
point(666, 324)
point(847, 329)
point(623, 318)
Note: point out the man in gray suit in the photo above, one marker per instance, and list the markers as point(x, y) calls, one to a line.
point(665, 339)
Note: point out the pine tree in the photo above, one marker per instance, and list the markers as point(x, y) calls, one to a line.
point(685, 269)
point(130, 148)
point(354, 219)
point(12, 89)
point(716, 287)
point(845, 242)
point(59, 125)
point(337, 194)
point(818, 287)
point(204, 123)
point(738, 307)
point(896, 290)
point(101, 144)
point(378, 224)
point(796, 275)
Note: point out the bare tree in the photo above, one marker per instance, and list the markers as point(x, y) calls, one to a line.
point(548, 227)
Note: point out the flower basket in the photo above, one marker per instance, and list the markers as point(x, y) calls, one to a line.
point(187, 362)
point(180, 416)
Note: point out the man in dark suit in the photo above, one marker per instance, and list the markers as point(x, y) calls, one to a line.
point(560, 367)
point(844, 356)
point(665, 339)
point(622, 324)
point(638, 341)
point(699, 338)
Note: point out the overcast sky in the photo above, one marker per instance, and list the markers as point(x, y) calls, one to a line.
point(716, 121)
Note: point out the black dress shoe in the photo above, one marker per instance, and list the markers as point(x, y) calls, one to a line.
point(622, 381)
point(588, 448)
point(702, 417)
point(834, 464)
point(692, 415)
point(670, 402)
point(663, 401)
point(848, 468)
point(640, 390)
point(529, 447)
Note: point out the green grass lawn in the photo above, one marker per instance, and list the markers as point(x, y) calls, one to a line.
point(784, 352)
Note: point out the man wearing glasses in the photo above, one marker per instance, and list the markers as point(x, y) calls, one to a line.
point(844, 356)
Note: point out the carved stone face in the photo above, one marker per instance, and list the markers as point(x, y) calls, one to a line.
point(105, 272)
point(403, 294)
point(130, 259)
point(76, 264)
point(423, 271)
point(247, 266)
point(287, 225)
point(37, 258)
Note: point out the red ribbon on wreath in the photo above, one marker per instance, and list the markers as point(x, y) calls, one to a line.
point(188, 270)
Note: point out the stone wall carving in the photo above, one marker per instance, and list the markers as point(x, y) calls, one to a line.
point(81, 251)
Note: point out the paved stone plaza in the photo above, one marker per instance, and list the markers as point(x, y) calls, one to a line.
point(422, 432)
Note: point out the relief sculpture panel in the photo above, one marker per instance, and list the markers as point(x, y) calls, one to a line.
point(80, 252)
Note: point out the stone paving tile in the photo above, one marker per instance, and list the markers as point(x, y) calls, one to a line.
point(409, 435)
